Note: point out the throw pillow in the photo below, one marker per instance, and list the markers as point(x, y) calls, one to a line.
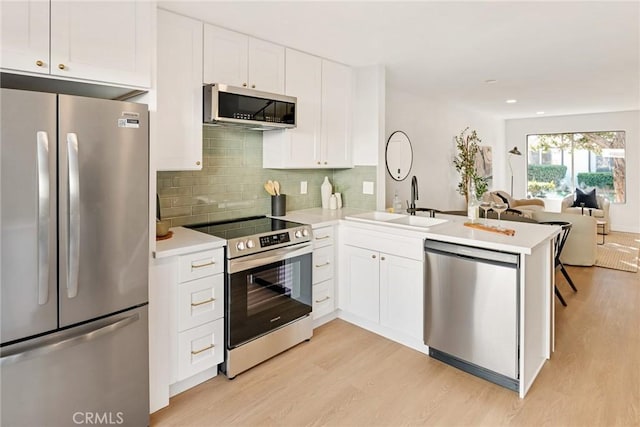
point(589, 199)
point(504, 199)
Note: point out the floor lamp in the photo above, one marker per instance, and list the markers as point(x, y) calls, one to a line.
point(513, 152)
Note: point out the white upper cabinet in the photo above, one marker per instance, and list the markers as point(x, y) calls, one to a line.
point(336, 115)
point(100, 41)
point(266, 66)
point(225, 56)
point(299, 147)
point(178, 119)
point(25, 36)
point(238, 60)
point(322, 137)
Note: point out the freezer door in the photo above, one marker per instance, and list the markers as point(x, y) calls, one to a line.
point(103, 219)
point(28, 214)
point(97, 373)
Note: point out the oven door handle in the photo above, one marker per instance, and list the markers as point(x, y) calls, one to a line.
point(268, 257)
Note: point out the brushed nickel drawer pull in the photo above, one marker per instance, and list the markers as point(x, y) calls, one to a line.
point(322, 237)
point(206, 264)
point(323, 299)
point(209, 347)
point(207, 301)
point(323, 265)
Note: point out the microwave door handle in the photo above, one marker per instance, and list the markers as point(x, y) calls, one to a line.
point(74, 215)
point(42, 144)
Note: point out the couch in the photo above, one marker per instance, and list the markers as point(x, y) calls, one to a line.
point(581, 245)
point(523, 205)
point(601, 213)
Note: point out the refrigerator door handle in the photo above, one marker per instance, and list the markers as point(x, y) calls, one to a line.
point(74, 216)
point(42, 141)
point(69, 341)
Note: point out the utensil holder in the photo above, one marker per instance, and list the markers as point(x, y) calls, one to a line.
point(279, 205)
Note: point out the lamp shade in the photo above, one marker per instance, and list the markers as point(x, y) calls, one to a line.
point(515, 151)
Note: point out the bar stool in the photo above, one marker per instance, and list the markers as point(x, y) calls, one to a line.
point(559, 244)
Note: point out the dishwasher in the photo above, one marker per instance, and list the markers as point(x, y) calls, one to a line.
point(471, 310)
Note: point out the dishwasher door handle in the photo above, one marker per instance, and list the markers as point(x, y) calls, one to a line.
point(476, 254)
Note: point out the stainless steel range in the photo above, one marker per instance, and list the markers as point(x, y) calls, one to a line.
point(267, 288)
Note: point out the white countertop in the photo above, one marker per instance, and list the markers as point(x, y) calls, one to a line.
point(527, 235)
point(184, 241)
point(318, 217)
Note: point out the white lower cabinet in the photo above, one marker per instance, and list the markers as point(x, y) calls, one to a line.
point(198, 316)
point(401, 294)
point(362, 283)
point(200, 348)
point(323, 272)
point(200, 301)
point(381, 281)
point(323, 299)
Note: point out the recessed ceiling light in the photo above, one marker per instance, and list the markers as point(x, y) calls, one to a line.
point(511, 101)
point(539, 112)
point(490, 81)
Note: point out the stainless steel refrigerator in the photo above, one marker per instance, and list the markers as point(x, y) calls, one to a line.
point(74, 250)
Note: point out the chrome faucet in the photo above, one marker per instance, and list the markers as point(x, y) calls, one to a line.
point(414, 195)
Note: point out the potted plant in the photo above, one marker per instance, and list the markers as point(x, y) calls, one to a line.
point(467, 146)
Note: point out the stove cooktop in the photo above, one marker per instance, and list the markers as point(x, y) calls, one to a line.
point(256, 234)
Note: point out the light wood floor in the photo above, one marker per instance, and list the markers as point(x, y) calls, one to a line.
point(346, 376)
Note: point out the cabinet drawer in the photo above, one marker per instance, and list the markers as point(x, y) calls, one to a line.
point(323, 261)
point(200, 264)
point(323, 299)
point(323, 236)
point(200, 301)
point(200, 348)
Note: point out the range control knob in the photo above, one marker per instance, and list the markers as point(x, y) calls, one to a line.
point(305, 232)
point(250, 244)
point(298, 234)
point(240, 246)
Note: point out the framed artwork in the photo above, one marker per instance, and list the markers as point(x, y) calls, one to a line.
point(484, 162)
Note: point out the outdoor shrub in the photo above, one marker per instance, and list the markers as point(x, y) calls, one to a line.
point(547, 173)
point(595, 179)
point(540, 189)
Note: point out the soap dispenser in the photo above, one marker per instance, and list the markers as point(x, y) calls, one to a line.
point(397, 204)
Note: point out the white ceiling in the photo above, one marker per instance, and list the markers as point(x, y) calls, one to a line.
point(558, 57)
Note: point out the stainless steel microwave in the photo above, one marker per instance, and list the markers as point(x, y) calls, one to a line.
point(253, 109)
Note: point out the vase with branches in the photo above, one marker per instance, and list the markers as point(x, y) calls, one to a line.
point(467, 146)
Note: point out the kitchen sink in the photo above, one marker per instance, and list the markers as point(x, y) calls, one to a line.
point(376, 216)
point(418, 221)
point(397, 220)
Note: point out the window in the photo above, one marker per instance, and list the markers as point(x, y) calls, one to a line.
point(558, 163)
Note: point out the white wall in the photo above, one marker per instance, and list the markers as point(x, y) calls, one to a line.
point(431, 127)
point(624, 217)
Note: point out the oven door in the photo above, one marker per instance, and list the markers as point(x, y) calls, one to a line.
point(266, 291)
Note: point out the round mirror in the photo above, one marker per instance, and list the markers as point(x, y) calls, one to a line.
point(399, 155)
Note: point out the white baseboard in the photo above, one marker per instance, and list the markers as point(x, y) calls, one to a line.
point(193, 381)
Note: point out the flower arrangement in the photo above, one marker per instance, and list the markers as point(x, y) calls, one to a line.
point(468, 146)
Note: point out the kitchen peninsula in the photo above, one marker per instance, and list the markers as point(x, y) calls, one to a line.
point(382, 272)
point(368, 268)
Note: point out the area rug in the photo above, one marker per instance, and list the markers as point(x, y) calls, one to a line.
point(620, 252)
